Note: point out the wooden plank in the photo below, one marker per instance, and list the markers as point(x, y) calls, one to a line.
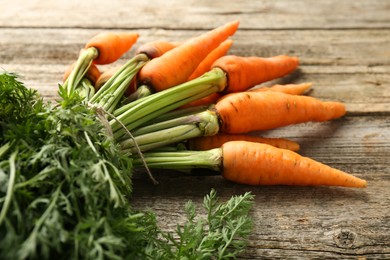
point(296, 222)
point(176, 14)
point(354, 69)
point(344, 50)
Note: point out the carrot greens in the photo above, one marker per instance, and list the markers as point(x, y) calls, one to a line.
point(65, 187)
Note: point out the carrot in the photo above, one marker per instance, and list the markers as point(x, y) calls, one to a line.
point(246, 72)
point(293, 89)
point(92, 74)
point(111, 46)
point(156, 49)
point(251, 111)
point(215, 141)
point(217, 53)
point(262, 164)
point(176, 65)
point(253, 164)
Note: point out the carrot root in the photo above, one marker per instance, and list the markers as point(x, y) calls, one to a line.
point(262, 164)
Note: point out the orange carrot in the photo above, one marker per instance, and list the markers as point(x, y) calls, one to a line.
point(156, 49)
point(210, 142)
point(253, 164)
point(262, 164)
point(250, 111)
point(293, 89)
point(246, 72)
point(111, 46)
point(92, 74)
point(217, 53)
point(176, 65)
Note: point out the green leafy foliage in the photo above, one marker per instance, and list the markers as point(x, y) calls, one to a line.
point(221, 234)
point(65, 185)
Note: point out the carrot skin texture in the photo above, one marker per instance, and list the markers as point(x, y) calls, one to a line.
point(252, 111)
point(246, 72)
point(111, 46)
point(262, 164)
point(215, 141)
point(156, 49)
point(176, 65)
point(292, 89)
point(206, 64)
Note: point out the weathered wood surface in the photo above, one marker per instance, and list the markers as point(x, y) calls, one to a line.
point(344, 48)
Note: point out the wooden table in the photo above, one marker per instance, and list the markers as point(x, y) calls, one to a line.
point(344, 48)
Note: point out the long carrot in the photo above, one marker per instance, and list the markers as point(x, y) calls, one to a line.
point(246, 72)
point(254, 164)
point(176, 65)
point(238, 113)
point(293, 89)
point(251, 111)
point(214, 55)
point(262, 164)
point(215, 141)
point(111, 46)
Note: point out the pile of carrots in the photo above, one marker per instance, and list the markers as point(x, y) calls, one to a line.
point(194, 94)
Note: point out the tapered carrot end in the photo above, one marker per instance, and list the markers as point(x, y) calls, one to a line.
point(262, 164)
point(233, 26)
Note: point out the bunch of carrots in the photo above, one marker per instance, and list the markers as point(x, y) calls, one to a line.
point(193, 94)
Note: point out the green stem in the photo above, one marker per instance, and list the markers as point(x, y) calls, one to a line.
point(140, 92)
point(178, 113)
point(173, 131)
point(112, 91)
point(162, 102)
point(161, 138)
point(10, 188)
point(211, 159)
point(86, 89)
point(4, 149)
point(81, 67)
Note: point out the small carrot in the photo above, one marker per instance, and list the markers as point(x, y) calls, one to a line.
point(293, 89)
point(254, 164)
point(215, 141)
point(92, 74)
point(176, 65)
point(217, 53)
point(111, 46)
point(156, 49)
point(246, 72)
point(251, 111)
point(262, 164)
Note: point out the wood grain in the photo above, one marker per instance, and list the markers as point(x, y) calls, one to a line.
point(343, 48)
